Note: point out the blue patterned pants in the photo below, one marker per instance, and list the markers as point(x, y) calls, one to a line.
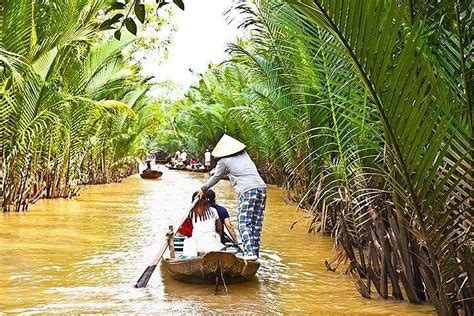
point(250, 219)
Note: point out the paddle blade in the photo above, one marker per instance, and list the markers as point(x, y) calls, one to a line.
point(143, 281)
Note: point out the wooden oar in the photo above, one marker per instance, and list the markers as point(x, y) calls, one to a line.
point(143, 280)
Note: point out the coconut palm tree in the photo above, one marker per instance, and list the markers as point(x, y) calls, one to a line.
point(426, 137)
point(362, 110)
point(63, 96)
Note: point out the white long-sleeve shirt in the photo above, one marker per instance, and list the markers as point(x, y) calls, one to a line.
point(242, 173)
point(207, 156)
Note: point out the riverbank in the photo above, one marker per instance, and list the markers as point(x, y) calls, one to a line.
point(84, 255)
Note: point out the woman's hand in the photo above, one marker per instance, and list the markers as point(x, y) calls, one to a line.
point(201, 194)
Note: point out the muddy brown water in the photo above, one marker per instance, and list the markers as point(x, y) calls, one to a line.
point(85, 254)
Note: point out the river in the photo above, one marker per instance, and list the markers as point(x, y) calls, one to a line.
point(85, 254)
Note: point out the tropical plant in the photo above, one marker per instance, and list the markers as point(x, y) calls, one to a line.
point(362, 110)
point(425, 136)
point(73, 109)
point(125, 11)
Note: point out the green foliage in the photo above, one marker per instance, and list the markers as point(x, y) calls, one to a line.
point(362, 109)
point(73, 108)
point(117, 20)
point(179, 3)
point(139, 10)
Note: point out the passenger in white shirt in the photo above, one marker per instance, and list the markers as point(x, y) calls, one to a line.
point(184, 157)
point(206, 229)
point(207, 159)
point(176, 158)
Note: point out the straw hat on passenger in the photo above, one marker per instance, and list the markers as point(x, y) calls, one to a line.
point(227, 146)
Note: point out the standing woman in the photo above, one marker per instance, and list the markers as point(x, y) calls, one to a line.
point(251, 189)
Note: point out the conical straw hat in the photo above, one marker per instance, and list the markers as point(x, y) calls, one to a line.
point(227, 146)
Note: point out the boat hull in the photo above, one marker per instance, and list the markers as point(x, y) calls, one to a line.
point(153, 174)
point(170, 167)
point(197, 170)
point(205, 269)
point(182, 168)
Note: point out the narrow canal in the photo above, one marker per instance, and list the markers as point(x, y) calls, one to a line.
point(85, 254)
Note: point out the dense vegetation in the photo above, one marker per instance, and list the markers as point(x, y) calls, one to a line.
point(362, 110)
point(72, 106)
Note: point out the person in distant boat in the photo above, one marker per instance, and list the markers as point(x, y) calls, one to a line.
point(207, 228)
point(184, 157)
point(193, 163)
point(224, 218)
point(207, 159)
point(148, 165)
point(250, 187)
point(177, 156)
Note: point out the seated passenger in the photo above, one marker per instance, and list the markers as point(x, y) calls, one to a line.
point(193, 163)
point(184, 157)
point(206, 229)
point(224, 218)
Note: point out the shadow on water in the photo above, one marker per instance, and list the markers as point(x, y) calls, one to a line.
point(85, 254)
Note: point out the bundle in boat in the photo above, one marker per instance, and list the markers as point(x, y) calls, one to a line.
point(151, 174)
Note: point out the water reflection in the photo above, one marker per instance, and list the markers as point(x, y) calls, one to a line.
point(85, 254)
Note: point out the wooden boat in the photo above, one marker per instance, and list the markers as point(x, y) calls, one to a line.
point(151, 174)
point(161, 157)
point(171, 167)
point(205, 269)
point(183, 168)
point(188, 168)
point(209, 267)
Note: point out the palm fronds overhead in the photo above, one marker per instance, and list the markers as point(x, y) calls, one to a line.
point(361, 109)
